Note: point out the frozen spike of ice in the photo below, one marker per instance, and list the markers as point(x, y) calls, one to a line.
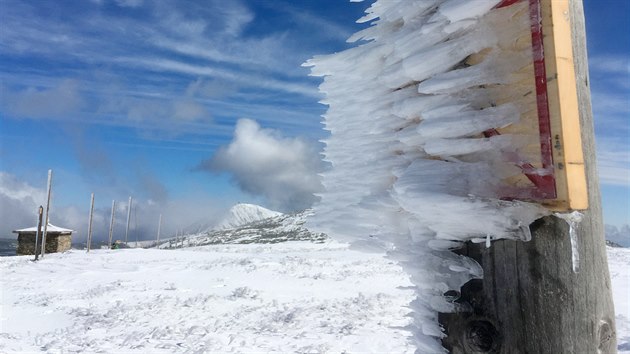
point(469, 122)
point(443, 245)
point(573, 219)
point(490, 71)
point(455, 147)
point(432, 329)
point(488, 241)
point(457, 10)
point(459, 26)
point(445, 56)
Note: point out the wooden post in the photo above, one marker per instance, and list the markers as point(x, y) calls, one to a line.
point(38, 235)
point(49, 189)
point(111, 224)
point(135, 224)
point(89, 233)
point(158, 231)
point(128, 219)
point(530, 300)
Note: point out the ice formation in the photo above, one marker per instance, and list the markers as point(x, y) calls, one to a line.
point(412, 171)
point(573, 219)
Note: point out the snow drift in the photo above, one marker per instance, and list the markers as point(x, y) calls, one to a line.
point(412, 172)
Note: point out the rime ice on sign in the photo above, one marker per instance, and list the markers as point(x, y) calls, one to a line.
point(412, 172)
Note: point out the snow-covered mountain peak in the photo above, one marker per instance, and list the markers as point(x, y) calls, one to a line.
point(243, 214)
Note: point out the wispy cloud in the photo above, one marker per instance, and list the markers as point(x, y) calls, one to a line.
point(154, 48)
point(615, 65)
point(610, 85)
point(64, 99)
point(613, 162)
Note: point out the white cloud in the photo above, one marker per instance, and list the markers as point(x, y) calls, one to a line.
point(63, 99)
point(19, 202)
point(283, 170)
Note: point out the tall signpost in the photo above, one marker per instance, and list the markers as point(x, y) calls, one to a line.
point(530, 299)
point(158, 230)
point(89, 233)
point(128, 219)
point(111, 224)
point(38, 235)
point(49, 189)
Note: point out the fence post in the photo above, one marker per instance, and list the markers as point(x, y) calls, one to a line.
point(128, 219)
point(89, 233)
point(111, 225)
point(38, 235)
point(49, 190)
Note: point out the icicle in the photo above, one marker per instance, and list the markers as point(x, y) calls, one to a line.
point(573, 219)
point(488, 241)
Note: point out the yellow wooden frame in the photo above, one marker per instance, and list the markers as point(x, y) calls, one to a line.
point(564, 114)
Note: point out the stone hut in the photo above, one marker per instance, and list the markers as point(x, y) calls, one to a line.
point(58, 239)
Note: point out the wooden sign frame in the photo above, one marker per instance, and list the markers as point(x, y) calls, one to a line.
point(561, 151)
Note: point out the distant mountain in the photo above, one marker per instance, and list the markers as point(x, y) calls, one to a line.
point(620, 236)
point(243, 214)
point(612, 244)
point(276, 228)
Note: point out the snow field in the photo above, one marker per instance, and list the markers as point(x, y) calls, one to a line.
point(292, 297)
point(619, 266)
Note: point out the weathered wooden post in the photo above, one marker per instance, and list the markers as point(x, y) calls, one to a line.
point(158, 230)
point(38, 235)
point(49, 189)
point(111, 224)
point(530, 300)
point(89, 233)
point(128, 219)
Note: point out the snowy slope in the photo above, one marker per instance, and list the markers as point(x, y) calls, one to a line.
point(243, 214)
point(285, 297)
point(279, 228)
point(295, 297)
point(619, 265)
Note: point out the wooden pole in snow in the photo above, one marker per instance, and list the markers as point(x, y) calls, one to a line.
point(159, 229)
point(38, 235)
point(111, 224)
point(530, 300)
point(49, 190)
point(135, 224)
point(89, 233)
point(128, 219)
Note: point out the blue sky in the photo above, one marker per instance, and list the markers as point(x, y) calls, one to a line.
point(142, 98)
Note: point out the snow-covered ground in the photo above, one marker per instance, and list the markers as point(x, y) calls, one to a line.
point(287, 297)
point(619, 265)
